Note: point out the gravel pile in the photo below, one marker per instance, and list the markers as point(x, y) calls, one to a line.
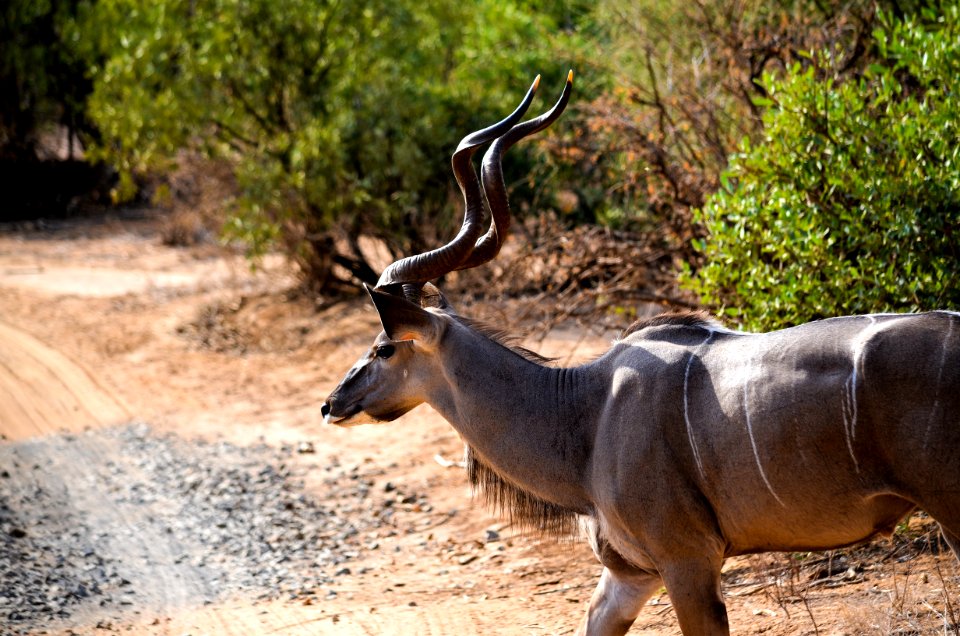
point(125, 519)
point(244, 513)
point(48, 560)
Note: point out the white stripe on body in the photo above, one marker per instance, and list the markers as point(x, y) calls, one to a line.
point(686, 402)
point(749, 373)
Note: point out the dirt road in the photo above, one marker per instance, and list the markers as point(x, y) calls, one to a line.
point(163, 470)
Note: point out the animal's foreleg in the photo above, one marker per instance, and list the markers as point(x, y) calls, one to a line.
point(617, 601)
point(694, 589)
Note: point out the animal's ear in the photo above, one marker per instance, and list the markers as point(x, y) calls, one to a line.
point(403, 320)
point(433, 297)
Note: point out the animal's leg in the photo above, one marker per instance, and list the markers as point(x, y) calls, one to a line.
point(694, 589)
point(952, 540)
point(946, 513)
point(617, 601)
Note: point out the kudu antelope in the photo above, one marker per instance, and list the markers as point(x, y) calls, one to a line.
point(686, 442)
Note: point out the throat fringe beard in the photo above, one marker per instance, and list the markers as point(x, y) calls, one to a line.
point(521, 507)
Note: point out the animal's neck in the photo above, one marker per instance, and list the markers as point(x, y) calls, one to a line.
point(532, 425)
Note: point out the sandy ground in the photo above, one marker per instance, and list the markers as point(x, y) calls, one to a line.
point(102, 326)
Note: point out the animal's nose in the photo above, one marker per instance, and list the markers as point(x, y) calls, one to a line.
point(325, 409)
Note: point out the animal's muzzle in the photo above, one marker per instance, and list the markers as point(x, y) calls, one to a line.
point(334, 413)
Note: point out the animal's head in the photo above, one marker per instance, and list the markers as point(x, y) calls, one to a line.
point(396, 373)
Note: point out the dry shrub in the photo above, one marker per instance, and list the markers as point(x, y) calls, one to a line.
point(686, 89)
point(196, 193)
point(589, 274)
point(272, 322)
point(183, 228)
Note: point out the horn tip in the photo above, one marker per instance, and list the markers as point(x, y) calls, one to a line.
point(536, 83)
point(569, 76)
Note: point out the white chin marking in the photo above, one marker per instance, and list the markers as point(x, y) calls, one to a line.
point(346, 422)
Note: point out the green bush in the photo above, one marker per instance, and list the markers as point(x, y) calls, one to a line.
point(851, 201)
point(337, 117)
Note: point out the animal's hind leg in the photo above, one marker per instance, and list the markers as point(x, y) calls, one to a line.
point(952, 540)
point(617, 601)
point(948, 517)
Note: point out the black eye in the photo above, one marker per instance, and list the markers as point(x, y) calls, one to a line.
point(385, 351)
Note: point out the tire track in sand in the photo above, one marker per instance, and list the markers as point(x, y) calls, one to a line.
point(43, 391)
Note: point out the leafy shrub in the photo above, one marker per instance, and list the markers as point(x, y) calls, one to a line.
point(851, 201)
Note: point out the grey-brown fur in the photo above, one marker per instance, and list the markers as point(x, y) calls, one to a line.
point(510, 499)
point(503, 496)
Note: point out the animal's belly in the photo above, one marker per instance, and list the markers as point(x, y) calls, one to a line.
point(812, 528)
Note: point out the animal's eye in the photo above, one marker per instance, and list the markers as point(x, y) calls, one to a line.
point(385, 351)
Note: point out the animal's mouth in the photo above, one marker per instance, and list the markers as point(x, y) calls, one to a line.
point(347, 419)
